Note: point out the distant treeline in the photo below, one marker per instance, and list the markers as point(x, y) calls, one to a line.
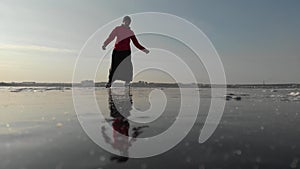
point(151, 85)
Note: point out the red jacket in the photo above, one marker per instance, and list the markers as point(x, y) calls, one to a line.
point(123, 34)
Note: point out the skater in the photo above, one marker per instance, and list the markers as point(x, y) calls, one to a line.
point(121, 65)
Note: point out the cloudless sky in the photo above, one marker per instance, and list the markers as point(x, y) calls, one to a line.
point(257, 40)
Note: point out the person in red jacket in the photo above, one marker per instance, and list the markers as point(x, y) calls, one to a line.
point(121, 65)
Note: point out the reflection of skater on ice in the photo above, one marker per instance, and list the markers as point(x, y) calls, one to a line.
point(120, 105)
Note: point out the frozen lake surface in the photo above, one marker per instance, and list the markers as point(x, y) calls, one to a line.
point(39, 129)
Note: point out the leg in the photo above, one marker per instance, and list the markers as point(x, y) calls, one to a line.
point(112, 70)
point(127, 83)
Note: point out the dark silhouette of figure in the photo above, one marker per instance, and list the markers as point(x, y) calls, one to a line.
point(121, 65)
point(120, 105)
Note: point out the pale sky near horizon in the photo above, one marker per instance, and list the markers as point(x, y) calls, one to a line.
point(257, 40)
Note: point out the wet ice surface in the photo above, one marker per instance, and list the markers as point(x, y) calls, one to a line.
point(41, 130)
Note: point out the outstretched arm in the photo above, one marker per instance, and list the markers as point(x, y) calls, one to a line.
point(110, 38)
point(138, 45)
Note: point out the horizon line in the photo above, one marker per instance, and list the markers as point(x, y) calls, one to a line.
point(250, 83)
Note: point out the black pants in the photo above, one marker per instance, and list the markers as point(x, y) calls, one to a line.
point(121, 66)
